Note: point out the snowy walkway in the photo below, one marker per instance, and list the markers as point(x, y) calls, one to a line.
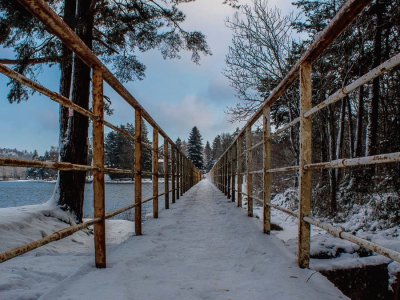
point(202, 248)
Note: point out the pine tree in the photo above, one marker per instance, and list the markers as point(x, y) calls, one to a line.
point(208, 160)
point(195, 148)
point(115, 31)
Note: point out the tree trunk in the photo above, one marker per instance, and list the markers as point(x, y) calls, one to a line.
point(350, 128)
point(360, 116)
point(66, 68)
point(340, 136)
point(75, 144)
point(373, 114)
point(332, 173)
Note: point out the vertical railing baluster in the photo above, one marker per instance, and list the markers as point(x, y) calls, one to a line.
point(173, 173)
point(155, 172)
point(266, 166)
point(138, 172)
point(305, 176)
point(178, 174)
point(249, 162)
point(239, 153)
point(228, 173)
point(166, 175)
point(233, 163)
point(98, 174)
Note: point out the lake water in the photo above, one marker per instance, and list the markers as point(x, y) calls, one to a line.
point(118, 195)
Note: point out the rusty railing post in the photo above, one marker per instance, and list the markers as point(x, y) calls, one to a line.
point(239, 153)
point(249, 162)
point(182, 183)
point(233, 171)
point(228, 173)
point(305, 186)
point(178, 173)
point(155, 173)
point(98, 162)
point(173, 173)
point(138, 172)
point(166, 175)
point(267, 165)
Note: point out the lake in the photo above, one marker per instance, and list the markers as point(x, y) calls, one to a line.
point(118, 195)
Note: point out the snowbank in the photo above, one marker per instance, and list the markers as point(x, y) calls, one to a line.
point(32, 274)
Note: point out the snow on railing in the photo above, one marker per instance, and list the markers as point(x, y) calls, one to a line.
point(177, 180)
point(229, 166)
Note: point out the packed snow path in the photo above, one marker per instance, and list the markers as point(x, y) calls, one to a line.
point(202, 248)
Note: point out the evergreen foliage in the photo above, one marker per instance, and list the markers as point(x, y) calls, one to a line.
point(195, 148)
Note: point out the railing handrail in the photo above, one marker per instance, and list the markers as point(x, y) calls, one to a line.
point(183, 170)
point(229, 164)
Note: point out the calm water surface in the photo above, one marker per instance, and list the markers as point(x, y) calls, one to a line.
point(118, 195)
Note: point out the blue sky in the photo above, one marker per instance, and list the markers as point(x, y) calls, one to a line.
point(177, 93)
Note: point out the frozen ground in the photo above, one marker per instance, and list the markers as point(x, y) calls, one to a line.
point(202, 248)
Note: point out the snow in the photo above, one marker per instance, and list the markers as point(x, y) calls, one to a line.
point(342, 254)
point(30, 275)
point(201, 248)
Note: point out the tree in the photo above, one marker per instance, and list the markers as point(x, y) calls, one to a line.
point(119, 150)
point(257, 60)
point(115, 31)
point(195, 148)
point(208, 160)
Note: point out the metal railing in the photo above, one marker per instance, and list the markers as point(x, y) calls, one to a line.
point(182, 173)
point(228, 168)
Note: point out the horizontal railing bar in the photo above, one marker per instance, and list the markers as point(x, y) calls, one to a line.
point(287, 126)
point(62, 166)
point(284, 169)
point(282, 209)
point(343, 92)
point(340, 233)
point(255, 145)
point(55, 25)
point(46, 92)
point(58, 235)
point(118, 171)
point(63, 233)
point(285, 210)
point(353, 162)
point(120, 130)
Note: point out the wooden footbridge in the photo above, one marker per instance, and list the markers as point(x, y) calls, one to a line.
point(179, 173)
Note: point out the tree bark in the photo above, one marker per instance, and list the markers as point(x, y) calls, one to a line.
point(332, 173)
point(75, 142)
point(373, 114)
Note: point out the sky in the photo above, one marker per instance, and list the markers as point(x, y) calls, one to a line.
point(178, 94)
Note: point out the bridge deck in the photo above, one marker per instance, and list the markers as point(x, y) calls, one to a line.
point(202, 248)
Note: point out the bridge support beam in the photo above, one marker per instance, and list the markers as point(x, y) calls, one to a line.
point(138, 172)
point(155, 173)
point(305, 175)
point(249, 163)
point(266, 166)
point(98, 176)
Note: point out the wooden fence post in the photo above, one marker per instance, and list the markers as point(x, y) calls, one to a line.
point(166, 175)
point(178, 173)
point(233, 171)
point(249, 175)
point(305, 180)
point(182, 175)
point(138, 172)
point(228, 173)
point(98, 175)
point(267, 165)
point(239, 153)
point(173, 161)
point(155, 172)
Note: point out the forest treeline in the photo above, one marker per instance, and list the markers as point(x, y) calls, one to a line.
point(266, 46)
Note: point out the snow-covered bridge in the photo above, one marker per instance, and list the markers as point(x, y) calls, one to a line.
point(203, 247)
